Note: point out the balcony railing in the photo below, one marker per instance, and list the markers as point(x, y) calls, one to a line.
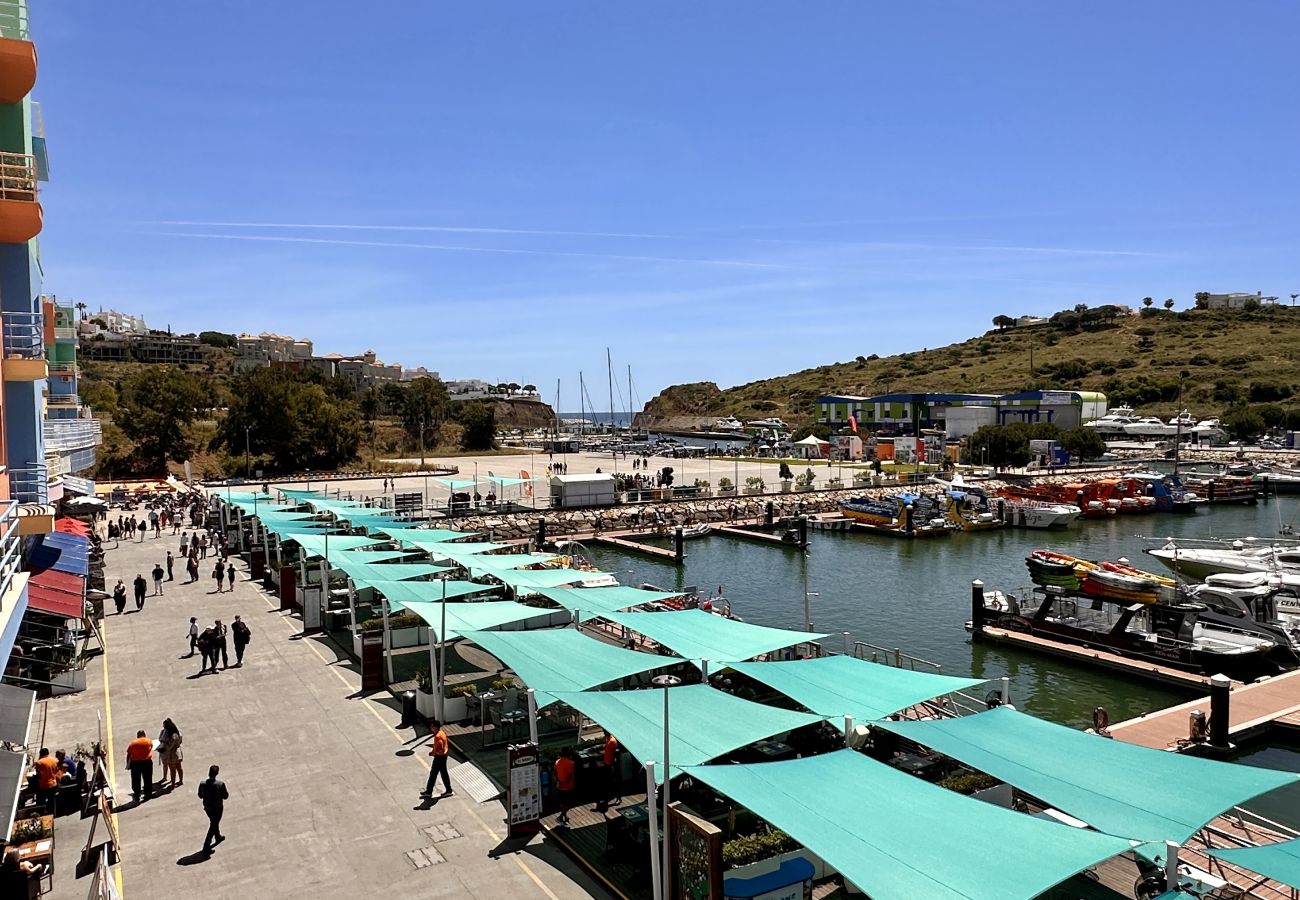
point(66, 369)
point(23, 334)
point(10, 544)
point(65, 333)
point(17, 176)
point(64, 401)
point(13, 20)
point(30, 484)
point(72, 434)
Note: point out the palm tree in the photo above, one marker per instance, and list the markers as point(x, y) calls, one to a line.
point(1293, 298)
point(81, 307)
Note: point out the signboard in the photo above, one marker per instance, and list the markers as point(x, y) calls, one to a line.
point(83, 486)
point(697, 856)
point(523, 790)
point(312, 598)
point(408, 504)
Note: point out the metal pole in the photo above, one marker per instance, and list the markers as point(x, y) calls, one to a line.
point(388, 642)
point(532, 716)
point(656, 889)
point(666, 881)
point(1006, 691)
point(1171, 865)
point(442, 650)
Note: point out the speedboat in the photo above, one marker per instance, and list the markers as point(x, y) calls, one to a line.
point(1200, 562)
point(901, 515)
point(1113, 422)
point(728, 423)
point(1184, 421)
point(1149, 427)
point(766, 423)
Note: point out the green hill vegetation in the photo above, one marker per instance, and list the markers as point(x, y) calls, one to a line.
point(1238, 364)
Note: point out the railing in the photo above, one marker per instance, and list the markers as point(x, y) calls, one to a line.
point(64, 400)
point(72, 434)
point(891, 657)
point(68, 369)
point(65, 332)
point(30, 484)
point(9, 545)
point(17, 176)
point(23, 335)
point(13, 20)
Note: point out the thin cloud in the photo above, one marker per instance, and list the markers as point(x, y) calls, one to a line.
point(452, 229)
point(459, 249)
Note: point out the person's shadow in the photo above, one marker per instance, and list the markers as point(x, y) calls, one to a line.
point(195, 858)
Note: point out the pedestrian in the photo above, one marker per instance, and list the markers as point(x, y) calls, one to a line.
point(193, 635)
point(214, 795)
point(185, 543)
point(169, 753)
point(610, 757)
point(139, 762)
point(219, 645)
point(158, 578)
point(242, 635)
point(564, 783)
point(438, 750)
point(192, 567)
point(206, 644)
point(140, 587)
point(119, 596)
point(47, 781)
point(203, 545)
point(170, 562)
point(219, 575)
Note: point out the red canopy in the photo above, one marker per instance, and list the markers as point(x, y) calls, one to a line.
point(69, 525)
point(57, 593)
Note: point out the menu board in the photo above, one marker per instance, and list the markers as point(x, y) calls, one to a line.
point(524, 789)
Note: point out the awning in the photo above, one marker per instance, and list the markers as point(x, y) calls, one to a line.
point(13, 776)
point(403, 593)
point(472, 616)
point(602, 600)
point(456, 484)
point(535, 579)
point(289, 492)
point(696, 634)
point(62, 552)
point(562, 659)
point(896, 836)
point(1281, 862)
point(316, 544)
point(370, 556)
point(1118, 788)
point(462, 549)
point(704, 723)
point(286, 530)
point(839, 685)
point(69, 525)
point(497, 562)
point(417, 536)
point(16, 707)
point(57, 593)
point(366, 574)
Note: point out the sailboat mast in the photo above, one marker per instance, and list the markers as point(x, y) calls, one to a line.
point(582, 409)
point(629, 402)
point(609, 368)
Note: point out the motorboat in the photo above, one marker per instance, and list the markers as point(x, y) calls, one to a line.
point(1018, 512)
point(1184, 421)
point(1200, 562)
point(1149, 427)
point(899, 515)
point(1113, 422)
point(728, 423)
point(698, 530)
point(830, 522)
point(767, 423)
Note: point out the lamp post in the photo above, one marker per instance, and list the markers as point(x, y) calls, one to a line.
point(248, 459)
point(442, 652)
point(666, 682)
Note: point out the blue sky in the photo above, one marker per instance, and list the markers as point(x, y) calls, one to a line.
point(716, 191)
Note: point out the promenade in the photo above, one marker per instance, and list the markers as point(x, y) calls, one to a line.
point(323, 787)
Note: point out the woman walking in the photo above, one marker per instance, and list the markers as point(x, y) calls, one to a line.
point(169, 753)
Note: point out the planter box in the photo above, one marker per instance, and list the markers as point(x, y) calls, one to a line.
point(726, 492)
point(834, 484)
point(424, 704)
point(772, 863)
point(785, 486)
point(403, 637)
point(704, 492)
point(803, 488)
point(454, 709)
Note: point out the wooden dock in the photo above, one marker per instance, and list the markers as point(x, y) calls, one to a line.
point(1252, 708)
point(623, 542)
point(1091, 656)
point(750, 534)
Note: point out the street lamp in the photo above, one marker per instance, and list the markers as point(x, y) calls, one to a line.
point(666, 682)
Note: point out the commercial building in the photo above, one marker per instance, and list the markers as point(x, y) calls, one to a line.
point(1064, 409)
point(70, 431)
point(958, 415)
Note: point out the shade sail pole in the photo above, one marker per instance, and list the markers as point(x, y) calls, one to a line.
point(656, 888)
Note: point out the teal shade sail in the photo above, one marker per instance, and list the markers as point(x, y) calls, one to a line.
point(416, 536)
point(897, 837)
point(287, 529)
point(1118, 788)
point(704, 723)
point(456, 484)
point(496, 562)
point(370, 556)
point(530, 580)
point(564, 659)
point(602, 600)
point(696, 634)
point(317, 545)
point(1281, 862)
point(298, 493)
point(403, 593)
point(469, 617)
point(837, 685)
point(461, 550)
point(366, 574)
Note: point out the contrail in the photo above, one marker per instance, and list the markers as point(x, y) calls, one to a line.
point(454, 229)
point(459, 249)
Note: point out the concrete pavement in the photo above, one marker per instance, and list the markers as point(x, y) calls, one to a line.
point(323, 788)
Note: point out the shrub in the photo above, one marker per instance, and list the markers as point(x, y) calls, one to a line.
point(463, 690)
point(751, 848)
point(725, 484)
point(1266, 391)
point(968, 782)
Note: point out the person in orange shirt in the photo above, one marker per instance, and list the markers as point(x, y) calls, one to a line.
point(47, 780)
point(564, 783)
point(610, 757)
point(139, 762)
point(438, 750)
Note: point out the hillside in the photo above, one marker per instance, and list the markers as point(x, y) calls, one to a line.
point(1230, 357)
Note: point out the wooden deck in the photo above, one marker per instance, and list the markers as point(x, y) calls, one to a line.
point(1090, 656)
point(1253, 707)
point(633, 546)
point(750, 534)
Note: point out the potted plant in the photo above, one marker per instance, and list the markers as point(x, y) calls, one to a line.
point(754, 485)
point(26, 830)
point(861, 478)
point(805, 481)
point(751, 855)
point(404, 630)
point(786, 476)
point(726, 487)
point(834, 483)
point(424, 704)
point(702, 488)
point(460, 700)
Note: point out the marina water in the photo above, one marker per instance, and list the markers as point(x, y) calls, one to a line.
point(915, 595)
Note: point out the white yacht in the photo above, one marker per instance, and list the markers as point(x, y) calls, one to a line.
point(1240, 558)
point(1113, 422)
point(1149, 427)
point(1207, 430)
point(767, 423)
point(1185, 421)
point(729, 423)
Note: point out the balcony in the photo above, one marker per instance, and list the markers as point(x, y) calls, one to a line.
point(65, 333)
point(64, 369)
point(68, 435)
point(63, 401)
point(20, 215)
point(17, 53)
point(30, 484)
point(22, 336)
point(10, 544)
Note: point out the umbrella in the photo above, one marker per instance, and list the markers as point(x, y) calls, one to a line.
point(92, 502)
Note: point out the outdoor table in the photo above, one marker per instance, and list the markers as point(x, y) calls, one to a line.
point(923, 766)
point(512, 722)
point(40, 851)
point(773, 751)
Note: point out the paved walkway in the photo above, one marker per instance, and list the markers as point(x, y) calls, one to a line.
point(323, 789)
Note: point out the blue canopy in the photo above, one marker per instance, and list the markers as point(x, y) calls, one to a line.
point(61, 552)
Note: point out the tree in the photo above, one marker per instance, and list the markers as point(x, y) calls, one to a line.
point(1169, 303)
point(530, 389)
point(1242, 423)
point(217, 339)
point(370, 402)
point(291, 419)
point(1002, 445)
point(1147, 301)
point(99, 395)
point(513, 388)
point(1145, 336)
point(821, 431)
point(155, 406)
point(1294, 297)
point(81, 308)
point(478, 426)
point(1081, 308)
point(393, 397)
point(1002, 323)
point(424, 410)
point(1250, 304)
point(1202, 299)
point(1082, 443)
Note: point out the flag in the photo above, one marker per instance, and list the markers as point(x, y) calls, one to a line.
point(853, 423)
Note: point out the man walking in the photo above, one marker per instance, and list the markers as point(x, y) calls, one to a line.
point(139, 761)
point(242, 635)
point(438, 750)
point(203, 545)
point(219, 575)
point(157, 578)
point(213, 793)
point(207, 646)
point(119, 596)
point(219, 645)
point(194, 636)
point(140, 587)
point(170, 563)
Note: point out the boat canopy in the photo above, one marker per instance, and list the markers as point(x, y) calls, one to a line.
point(896, 836)
point(534, 579)
point(1281, 862)
point(602, 600)
point(1116, 787)
point(415, 537)
point(563, 659)
point(706, 723)
point(318, 544)
point(699, 635)
point(404, 593)
point(842, 685)
point(365, 574)
point(467, 617)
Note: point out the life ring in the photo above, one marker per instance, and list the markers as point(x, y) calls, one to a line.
point(997, 604)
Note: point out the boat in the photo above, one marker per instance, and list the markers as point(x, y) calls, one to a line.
point(1183, 422)
point(1269, 600)
point(690, 598)
point(1113, 422)
point(830, 522)
point(1185, 635)
point(1149, 427)
point(1200, 562)
point(728, 423)
point(1020, 512)
point(899, 515)
point(698, 530)
point(767, 423)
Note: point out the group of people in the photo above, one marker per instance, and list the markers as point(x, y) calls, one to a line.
point(211, 642)
point(139, 761)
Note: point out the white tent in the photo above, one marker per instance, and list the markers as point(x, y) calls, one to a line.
point(813, 447)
